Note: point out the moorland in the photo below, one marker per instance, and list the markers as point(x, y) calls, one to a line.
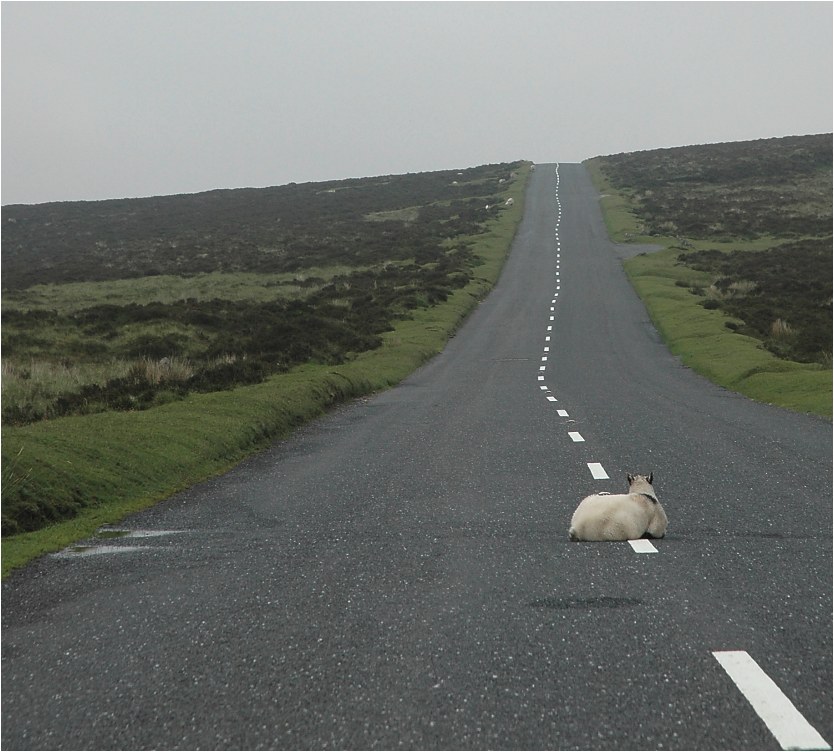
point(148, 343)
point(124, 305)
point(742, 289)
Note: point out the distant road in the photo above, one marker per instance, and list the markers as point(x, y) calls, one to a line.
point(398, 575)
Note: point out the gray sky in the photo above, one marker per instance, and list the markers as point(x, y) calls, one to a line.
point(110, 100)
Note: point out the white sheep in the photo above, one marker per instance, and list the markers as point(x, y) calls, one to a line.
point(628, 516)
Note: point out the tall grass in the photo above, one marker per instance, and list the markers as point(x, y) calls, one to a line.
point(37, 384)
point(781, 330)
point(165, 288)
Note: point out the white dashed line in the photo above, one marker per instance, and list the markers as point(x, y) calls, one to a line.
point(780, 715)
point(643, 546)
point(575, 436)
point(562, 413)
point(551, 398)
point(597, 471)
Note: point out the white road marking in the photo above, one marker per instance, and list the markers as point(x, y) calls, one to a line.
point(544, 358)
point(550, 328)
point(547, 349)
point(552, 399)
point(542, 368)
point(543, 387)
point(541, 378)
point(597, 471)
point(575, 436)
point(780, 715)
point(562, 413)
point(643, 546)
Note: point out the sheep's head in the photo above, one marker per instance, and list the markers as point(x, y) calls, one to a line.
point(639, 479)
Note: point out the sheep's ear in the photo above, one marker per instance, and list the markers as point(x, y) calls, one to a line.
point(630, 477)
point(651, 475)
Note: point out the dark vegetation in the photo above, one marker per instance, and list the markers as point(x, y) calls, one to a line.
point(279, 229)
point(788, 306)
point(772, 193)
point(396, 243)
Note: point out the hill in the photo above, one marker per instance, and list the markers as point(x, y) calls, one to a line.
point(127, 304)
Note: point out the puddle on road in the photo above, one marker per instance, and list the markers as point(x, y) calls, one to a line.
point(93, 550)
point(105, 534)
point(126, 533)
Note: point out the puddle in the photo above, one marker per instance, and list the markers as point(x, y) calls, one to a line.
point(93, 550)
point(121, 533)
point(112, 533)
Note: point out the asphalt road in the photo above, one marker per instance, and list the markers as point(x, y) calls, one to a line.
point(399, 575)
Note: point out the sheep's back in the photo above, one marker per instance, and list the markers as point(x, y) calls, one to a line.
point(610, 517)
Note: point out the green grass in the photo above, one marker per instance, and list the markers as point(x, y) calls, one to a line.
point(620, 221)
point(704, 343)
point(108, 465)
point(69, 297)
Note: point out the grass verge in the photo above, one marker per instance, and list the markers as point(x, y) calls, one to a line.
point(703, 342)
point(699, 336)
point(105, 466)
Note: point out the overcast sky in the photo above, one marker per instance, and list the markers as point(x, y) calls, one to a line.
point(111, 100)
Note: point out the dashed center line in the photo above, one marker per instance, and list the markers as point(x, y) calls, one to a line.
point(643, 546)
point(597, 471)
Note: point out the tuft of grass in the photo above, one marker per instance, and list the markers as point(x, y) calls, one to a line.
point(781, 330)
